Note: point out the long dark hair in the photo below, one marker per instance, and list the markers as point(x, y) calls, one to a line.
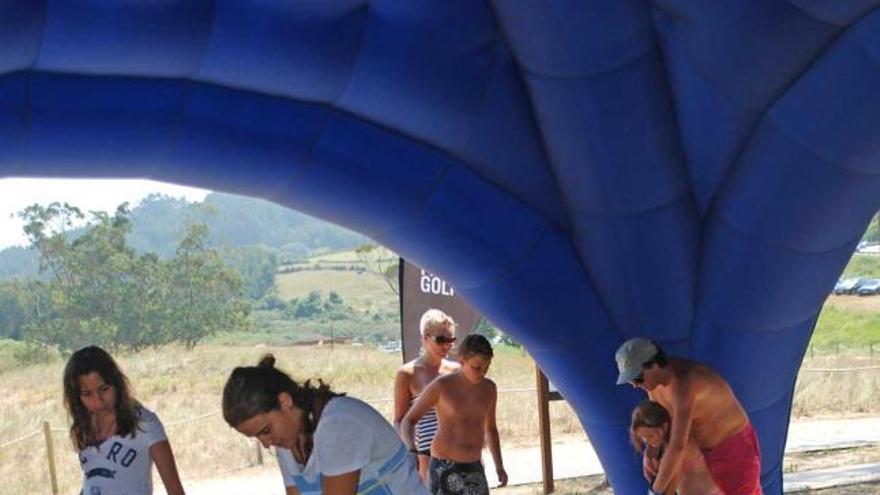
point(252, 390)
point(647, 414)
point(93, 359)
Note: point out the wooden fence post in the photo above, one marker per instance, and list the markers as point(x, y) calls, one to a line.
point(544, 426)
point(50, 453)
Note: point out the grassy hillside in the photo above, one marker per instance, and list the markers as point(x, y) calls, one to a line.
point(846, 320)
point(863, 265)
point(347, 257)
point(364, 291)
point(852, 322)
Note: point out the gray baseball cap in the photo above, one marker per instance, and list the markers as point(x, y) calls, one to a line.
point(631, 356)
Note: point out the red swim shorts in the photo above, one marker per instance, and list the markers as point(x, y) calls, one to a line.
point(735, 463)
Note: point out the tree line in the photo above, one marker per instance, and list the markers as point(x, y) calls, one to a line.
point(234, 223)
point(95, 288)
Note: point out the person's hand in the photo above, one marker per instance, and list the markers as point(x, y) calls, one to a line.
point(413, 450)
point(650, 466)
point(502, 477)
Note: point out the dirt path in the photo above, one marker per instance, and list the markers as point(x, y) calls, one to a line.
point(859, 303)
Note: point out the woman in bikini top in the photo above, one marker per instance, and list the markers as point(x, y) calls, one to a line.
point(438, 337)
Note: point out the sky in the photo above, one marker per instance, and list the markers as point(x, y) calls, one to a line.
point(86, 194)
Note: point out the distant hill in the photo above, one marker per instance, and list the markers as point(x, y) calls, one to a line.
point(158, 223)
point(18, 262)
point(236, 221)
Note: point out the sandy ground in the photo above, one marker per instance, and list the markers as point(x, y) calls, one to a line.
point(595, 486)
point(865, 489)
point(808, 461)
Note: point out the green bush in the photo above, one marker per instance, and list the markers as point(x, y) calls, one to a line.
point(15, 354)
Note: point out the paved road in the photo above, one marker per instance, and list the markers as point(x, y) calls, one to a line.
point(822, 433)
point(827, 478)
point(577, 458)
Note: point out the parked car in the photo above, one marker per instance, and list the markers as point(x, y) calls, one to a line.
point(848, 285)
point(869, 288)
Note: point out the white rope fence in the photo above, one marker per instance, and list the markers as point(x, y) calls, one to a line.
point(197, 418)
point(385, 401)
point(839, 370)
point(20, 439)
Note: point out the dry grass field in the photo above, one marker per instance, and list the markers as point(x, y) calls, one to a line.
point(361, 290)
point(840, 393)
point(181, 385)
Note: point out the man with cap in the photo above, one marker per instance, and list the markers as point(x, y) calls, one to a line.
point(703, 407)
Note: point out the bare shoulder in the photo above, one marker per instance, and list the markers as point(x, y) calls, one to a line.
point(446, 380)
point(694, 377)
point(490, 386)
point(703, 374)
point(407, 368)
point(687, 378)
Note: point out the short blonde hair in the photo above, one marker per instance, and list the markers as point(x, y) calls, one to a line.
point(433, 319)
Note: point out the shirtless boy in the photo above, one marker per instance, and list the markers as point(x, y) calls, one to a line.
point(703, 408)
point(438, 336)
point(465, 404)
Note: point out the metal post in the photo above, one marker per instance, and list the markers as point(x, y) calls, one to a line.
point(544, 422)
point(50, 453)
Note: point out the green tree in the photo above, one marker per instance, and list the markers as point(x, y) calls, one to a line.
point(100, 291)
point(305, 308)
point(293, 251)
point(381, 261)
point(205, 294)
point(334, 298)
point(486, 328)
point(22, 304)
point(257, 266)
point(89, 273)
point(147, 321)
point(872, 233)
point(18, 262)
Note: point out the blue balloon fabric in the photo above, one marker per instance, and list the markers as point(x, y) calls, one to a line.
point(582, 171)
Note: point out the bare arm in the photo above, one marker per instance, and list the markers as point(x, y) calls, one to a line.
point(402, 396)
point(291, 490)
point(673, 455)
point(650, 463)
point(163, 457)
point(343, 484)
point(494, 440)
point(673, 487)
point(427, 399)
